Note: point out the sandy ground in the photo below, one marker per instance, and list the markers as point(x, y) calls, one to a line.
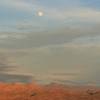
point(19, 91)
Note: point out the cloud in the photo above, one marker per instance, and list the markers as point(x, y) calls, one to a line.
point(75, 13)
point(87, 40)
point(67, 36)
point(12, 36)
point(15, 78)
point(78, 14)
point(20, 5)
point(23, 15)
point(63, 57)
point(8, 71)
point(53, 47)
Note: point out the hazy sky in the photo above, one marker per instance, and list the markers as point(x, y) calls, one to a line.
point(54, 34)
point(20, 15)
point(61, 21)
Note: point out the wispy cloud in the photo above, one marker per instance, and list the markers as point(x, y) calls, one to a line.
point(75, 13)
point(17, 4)
point(24, 15)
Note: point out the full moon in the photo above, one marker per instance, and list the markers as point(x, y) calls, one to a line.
point(40, 13)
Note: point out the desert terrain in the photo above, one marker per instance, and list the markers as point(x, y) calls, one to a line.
point(19, 91)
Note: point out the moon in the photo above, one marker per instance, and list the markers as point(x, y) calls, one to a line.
point(40, 13)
